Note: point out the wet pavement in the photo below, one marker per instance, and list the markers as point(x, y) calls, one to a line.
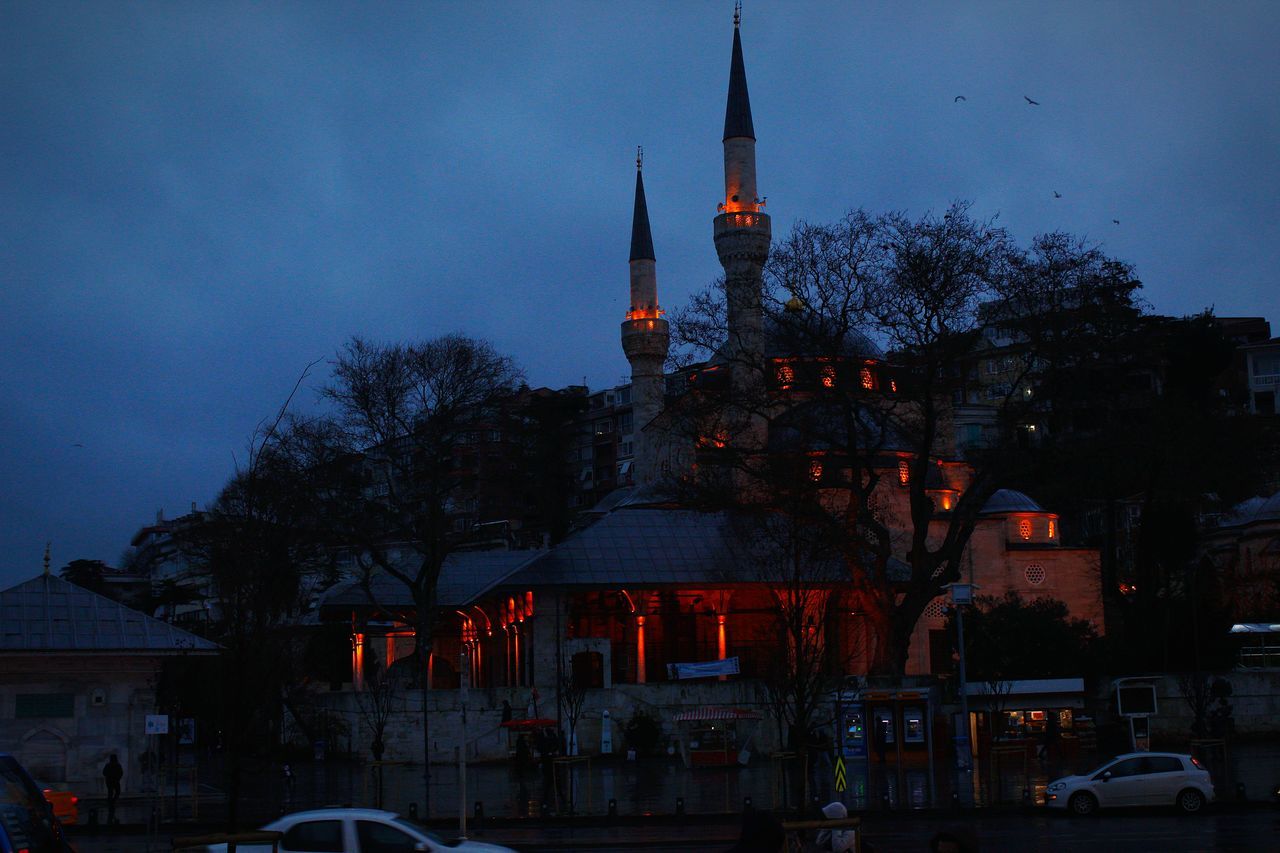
point(648, 787)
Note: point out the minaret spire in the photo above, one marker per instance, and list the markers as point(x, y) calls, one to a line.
point(641, 236)
point(645, 335)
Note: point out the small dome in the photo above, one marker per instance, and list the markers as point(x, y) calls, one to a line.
point(1246, 511)
point(1270, 509)
point(1008, 500)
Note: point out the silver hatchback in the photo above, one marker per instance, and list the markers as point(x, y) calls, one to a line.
point(1135, 779)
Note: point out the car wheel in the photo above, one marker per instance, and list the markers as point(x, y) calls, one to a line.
point(1082, 803)
point(1190, 801)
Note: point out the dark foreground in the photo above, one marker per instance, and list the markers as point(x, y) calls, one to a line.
point(1256, 829)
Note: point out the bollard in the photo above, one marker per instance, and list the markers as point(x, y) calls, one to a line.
point(478, 815)
point(613, 809)
point(679, 806)
point(413, 811)
point(746, 804)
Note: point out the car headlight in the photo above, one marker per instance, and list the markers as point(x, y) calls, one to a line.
point(1056, 787)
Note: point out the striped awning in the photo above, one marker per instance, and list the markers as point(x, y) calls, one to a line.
point(716, 714)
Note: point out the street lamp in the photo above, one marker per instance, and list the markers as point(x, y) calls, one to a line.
point(961, 596)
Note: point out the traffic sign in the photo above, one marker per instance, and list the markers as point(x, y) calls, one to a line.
point(842, 782)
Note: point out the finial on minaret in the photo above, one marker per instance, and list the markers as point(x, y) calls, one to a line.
point(639, 157)
point(46, 558)
point(737, 13)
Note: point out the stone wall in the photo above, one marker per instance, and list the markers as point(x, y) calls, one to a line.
point(110, 698)
point(488, 741)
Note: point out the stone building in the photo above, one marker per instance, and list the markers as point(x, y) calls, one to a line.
point(78, 676)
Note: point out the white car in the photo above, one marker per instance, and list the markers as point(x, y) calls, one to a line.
point(343, 830)
point(1135, 779)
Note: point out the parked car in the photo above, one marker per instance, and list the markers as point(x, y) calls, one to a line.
point(343, 830)
point(27, 822)
point(1135, 779)
point(65, 804)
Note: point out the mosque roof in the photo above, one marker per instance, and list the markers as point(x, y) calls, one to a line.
point(1008, 500)
point(49, 614)
point(463, 577)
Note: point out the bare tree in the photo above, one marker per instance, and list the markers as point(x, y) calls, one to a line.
point(402, 413)
point(376, 702)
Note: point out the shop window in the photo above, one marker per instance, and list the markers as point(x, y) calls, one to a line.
point(1035, 574)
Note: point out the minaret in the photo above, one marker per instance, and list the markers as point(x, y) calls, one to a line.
point(742, 232)
point(645, 337)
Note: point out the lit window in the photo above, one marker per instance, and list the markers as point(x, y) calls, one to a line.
point(865, 377)
point(893, 386)
point(904, 472)
point(1024, 528)
point(815, 471)
point(828, 376)
point(786, 375)
point(1034, 574)
point(1053, 528)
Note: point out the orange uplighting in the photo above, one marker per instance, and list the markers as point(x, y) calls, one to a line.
point(528, 602)
point(868, 381)
point(645, 314)
point(640, 661)
point(904, 472)
point(1024, 528)
point(828, 376)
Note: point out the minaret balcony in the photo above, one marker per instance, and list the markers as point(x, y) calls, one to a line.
point(743, 221)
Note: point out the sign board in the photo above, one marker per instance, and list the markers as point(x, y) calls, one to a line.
point(157, 724)
point(1134, 699)
point(186, 731)
point(703, 669)
point(961, 593)
point(842, 780)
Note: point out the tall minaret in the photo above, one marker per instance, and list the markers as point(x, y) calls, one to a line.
point(742, 232)
point(645, 337)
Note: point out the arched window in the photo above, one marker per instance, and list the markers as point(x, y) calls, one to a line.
point(815, 470)
point(1024, 528)
point(868, 381)
point(828, 376)
point(904, 471)
point(786, 376)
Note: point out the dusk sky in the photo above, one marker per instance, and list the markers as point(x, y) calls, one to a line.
point(197, 199)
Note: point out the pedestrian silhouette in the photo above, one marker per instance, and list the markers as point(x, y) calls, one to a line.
point(112, 773)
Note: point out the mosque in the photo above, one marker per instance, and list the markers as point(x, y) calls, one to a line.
point(651, 592)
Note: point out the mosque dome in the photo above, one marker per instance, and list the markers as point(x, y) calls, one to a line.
point(1009, 500)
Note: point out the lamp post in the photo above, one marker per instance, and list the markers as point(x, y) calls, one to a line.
point(961, 595)
point(462, 742)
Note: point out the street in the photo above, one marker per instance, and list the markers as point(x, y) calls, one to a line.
point(1254, 830)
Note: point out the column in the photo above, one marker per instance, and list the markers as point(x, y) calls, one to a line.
point(640, 667)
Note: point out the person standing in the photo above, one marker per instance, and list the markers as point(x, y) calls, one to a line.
point(112, 773)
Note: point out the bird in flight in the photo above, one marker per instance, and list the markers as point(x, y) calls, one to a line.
point(1031, 102)
point(1057, 194)
point(77, 444)
point(959, 98)
point(1116, 221)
